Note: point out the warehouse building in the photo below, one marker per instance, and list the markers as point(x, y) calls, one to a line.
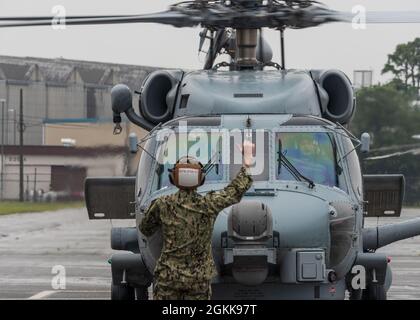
point(63, 100)
point(60, 169)
point(60, 89)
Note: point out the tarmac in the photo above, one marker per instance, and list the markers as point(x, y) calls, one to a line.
point(36, 249)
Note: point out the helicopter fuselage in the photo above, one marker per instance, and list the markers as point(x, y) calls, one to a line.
point(298, 232)
point(311, 235)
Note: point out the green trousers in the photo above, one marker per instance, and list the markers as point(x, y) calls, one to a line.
point(180, 291)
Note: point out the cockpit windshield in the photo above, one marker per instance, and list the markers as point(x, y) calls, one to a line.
point(312, 153)
point(205, 146)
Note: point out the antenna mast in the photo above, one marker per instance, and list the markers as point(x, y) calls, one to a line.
point(283, 63)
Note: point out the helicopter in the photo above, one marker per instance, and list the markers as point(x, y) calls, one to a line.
point(299, 232)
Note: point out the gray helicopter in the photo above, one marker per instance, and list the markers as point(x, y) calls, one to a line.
point(299, 231)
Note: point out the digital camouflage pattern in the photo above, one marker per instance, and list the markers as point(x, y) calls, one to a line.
point(178, 291)
point(187, 220)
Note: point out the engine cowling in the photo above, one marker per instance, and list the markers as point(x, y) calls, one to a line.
point(341, 100)
point(158, 95)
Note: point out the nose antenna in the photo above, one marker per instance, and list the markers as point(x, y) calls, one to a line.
point(211, 162)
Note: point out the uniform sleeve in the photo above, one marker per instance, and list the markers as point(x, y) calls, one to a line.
point(231, 194)
point(151, 220)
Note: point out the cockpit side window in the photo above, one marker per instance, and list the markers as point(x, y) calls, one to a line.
point(354, 167)
point(205, 146)
point(144, 167)
point(260, 169)
point(312, 153)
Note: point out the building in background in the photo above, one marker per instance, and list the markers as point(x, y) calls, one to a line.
point(362, 78)
point(59, 170)
point(60, 92)
point(63, 101)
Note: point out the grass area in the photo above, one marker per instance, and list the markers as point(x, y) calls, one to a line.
point(10, 207)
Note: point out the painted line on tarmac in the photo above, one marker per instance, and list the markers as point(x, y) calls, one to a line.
point(47, 293)
point(42, 295)
point(82, 291)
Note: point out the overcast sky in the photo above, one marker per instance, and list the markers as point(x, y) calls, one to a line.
point(329, 46)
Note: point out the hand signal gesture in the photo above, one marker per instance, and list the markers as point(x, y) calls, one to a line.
point(247, 150)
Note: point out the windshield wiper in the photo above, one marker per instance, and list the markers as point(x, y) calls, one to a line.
point(338, 168)
point(348, 136)
point(294, 171)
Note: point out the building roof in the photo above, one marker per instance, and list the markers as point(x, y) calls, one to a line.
point(66, 151)
point(14, 71)
point(62, 71)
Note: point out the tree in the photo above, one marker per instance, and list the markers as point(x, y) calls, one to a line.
point(386, 114)
point(416, 44)
point(404, 64)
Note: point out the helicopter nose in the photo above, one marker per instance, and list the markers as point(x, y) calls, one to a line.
point(291, 230)
point(250, 226)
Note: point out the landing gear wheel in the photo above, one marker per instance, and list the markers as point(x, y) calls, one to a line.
point(142, 293)
point(374, 292)
point(122, 292)
point(355, 294)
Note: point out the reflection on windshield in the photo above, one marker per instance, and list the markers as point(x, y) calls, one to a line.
point(204, 146)
point(312, 153)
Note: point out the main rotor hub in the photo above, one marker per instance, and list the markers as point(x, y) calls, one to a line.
point(246, 47)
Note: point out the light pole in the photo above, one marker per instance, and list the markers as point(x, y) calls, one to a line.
point(14, 125)
point(3, 103)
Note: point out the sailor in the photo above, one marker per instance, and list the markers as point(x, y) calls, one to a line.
point(185, 267)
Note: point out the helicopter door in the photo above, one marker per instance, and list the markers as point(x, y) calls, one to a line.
point(110, 198)
point(384, 194)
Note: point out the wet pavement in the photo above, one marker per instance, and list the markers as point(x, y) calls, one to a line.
point(34, 245)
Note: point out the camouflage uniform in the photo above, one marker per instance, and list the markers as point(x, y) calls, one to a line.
point(186, 266)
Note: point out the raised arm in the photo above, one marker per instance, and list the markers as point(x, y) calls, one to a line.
point(151, 220)
point(233, 193)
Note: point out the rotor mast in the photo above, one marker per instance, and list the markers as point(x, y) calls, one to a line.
point(246, 41)
point(246, 48)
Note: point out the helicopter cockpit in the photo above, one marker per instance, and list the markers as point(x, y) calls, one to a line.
point(311, 150)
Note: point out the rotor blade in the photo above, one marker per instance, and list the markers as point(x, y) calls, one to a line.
point(379, 17)
point(170, 17)
point(396, 154)
point(226, 17)
point(34, 18)
point(203, 36)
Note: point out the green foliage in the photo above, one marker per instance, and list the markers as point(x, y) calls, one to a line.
point(408, 165)
point(404, 64)
point(387, 114)
point(10, 207)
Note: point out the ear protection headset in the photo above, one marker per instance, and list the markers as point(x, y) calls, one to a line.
point(188, 173)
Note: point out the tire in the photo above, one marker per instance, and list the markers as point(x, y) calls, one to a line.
point(376, 292)
point(122, 292)
point(142, 293)
point(356, 294)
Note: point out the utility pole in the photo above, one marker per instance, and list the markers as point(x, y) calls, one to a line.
point(14, 125)
point(2, 148)
point(21, 128)
point(35, 194)
point(12, 119)
point(6, 114)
